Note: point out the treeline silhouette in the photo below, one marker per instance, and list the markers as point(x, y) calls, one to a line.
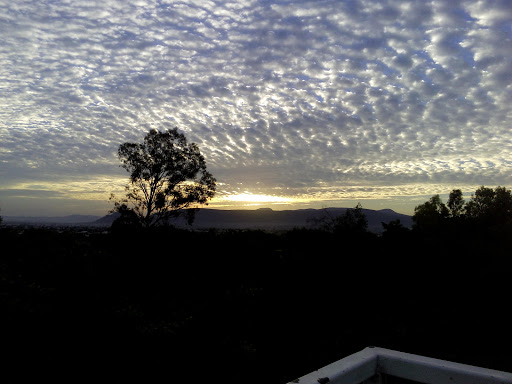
point(251, 306)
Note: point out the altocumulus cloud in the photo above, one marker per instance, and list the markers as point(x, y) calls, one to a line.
point(302, 99)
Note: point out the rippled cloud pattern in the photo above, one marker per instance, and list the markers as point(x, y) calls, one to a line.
point(299, 99)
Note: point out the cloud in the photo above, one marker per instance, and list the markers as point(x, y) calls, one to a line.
point(309, 95)
point(41, 193)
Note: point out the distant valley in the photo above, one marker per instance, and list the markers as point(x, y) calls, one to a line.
point(48, 220)
point(263, 218)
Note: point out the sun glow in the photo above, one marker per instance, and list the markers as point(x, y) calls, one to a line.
point(254, 198)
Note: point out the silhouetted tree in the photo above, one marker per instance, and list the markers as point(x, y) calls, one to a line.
point(127, 220)
point(456, 203)
point(490, 207)
point(168, 177)
point(352, 221)
point(394, 230)
point(431, 214)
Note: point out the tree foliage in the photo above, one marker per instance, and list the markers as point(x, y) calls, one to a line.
point(490, 206)
point(487, 208)
point(394, 229)
point(430, 214)
point(168, 177)
point(456, 203)
point(353, 221)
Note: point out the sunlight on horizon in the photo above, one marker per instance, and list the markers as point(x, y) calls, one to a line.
point(257, 198)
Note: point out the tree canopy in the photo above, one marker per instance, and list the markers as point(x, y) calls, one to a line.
point(430, 214)
point(490, 206)
point(353, 221)
point(168, 177)
point(456, 203)
point(487, 208)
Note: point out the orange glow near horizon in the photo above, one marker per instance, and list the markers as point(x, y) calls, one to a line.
point(256, 199)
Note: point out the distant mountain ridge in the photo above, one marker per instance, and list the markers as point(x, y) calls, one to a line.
point(69, 219)
point(265, 218)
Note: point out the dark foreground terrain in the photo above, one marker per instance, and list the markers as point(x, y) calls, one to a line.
point(244, 306)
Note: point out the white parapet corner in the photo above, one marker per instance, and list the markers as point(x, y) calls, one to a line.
point(374, 364)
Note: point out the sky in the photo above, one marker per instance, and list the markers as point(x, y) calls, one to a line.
point(294, 104)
